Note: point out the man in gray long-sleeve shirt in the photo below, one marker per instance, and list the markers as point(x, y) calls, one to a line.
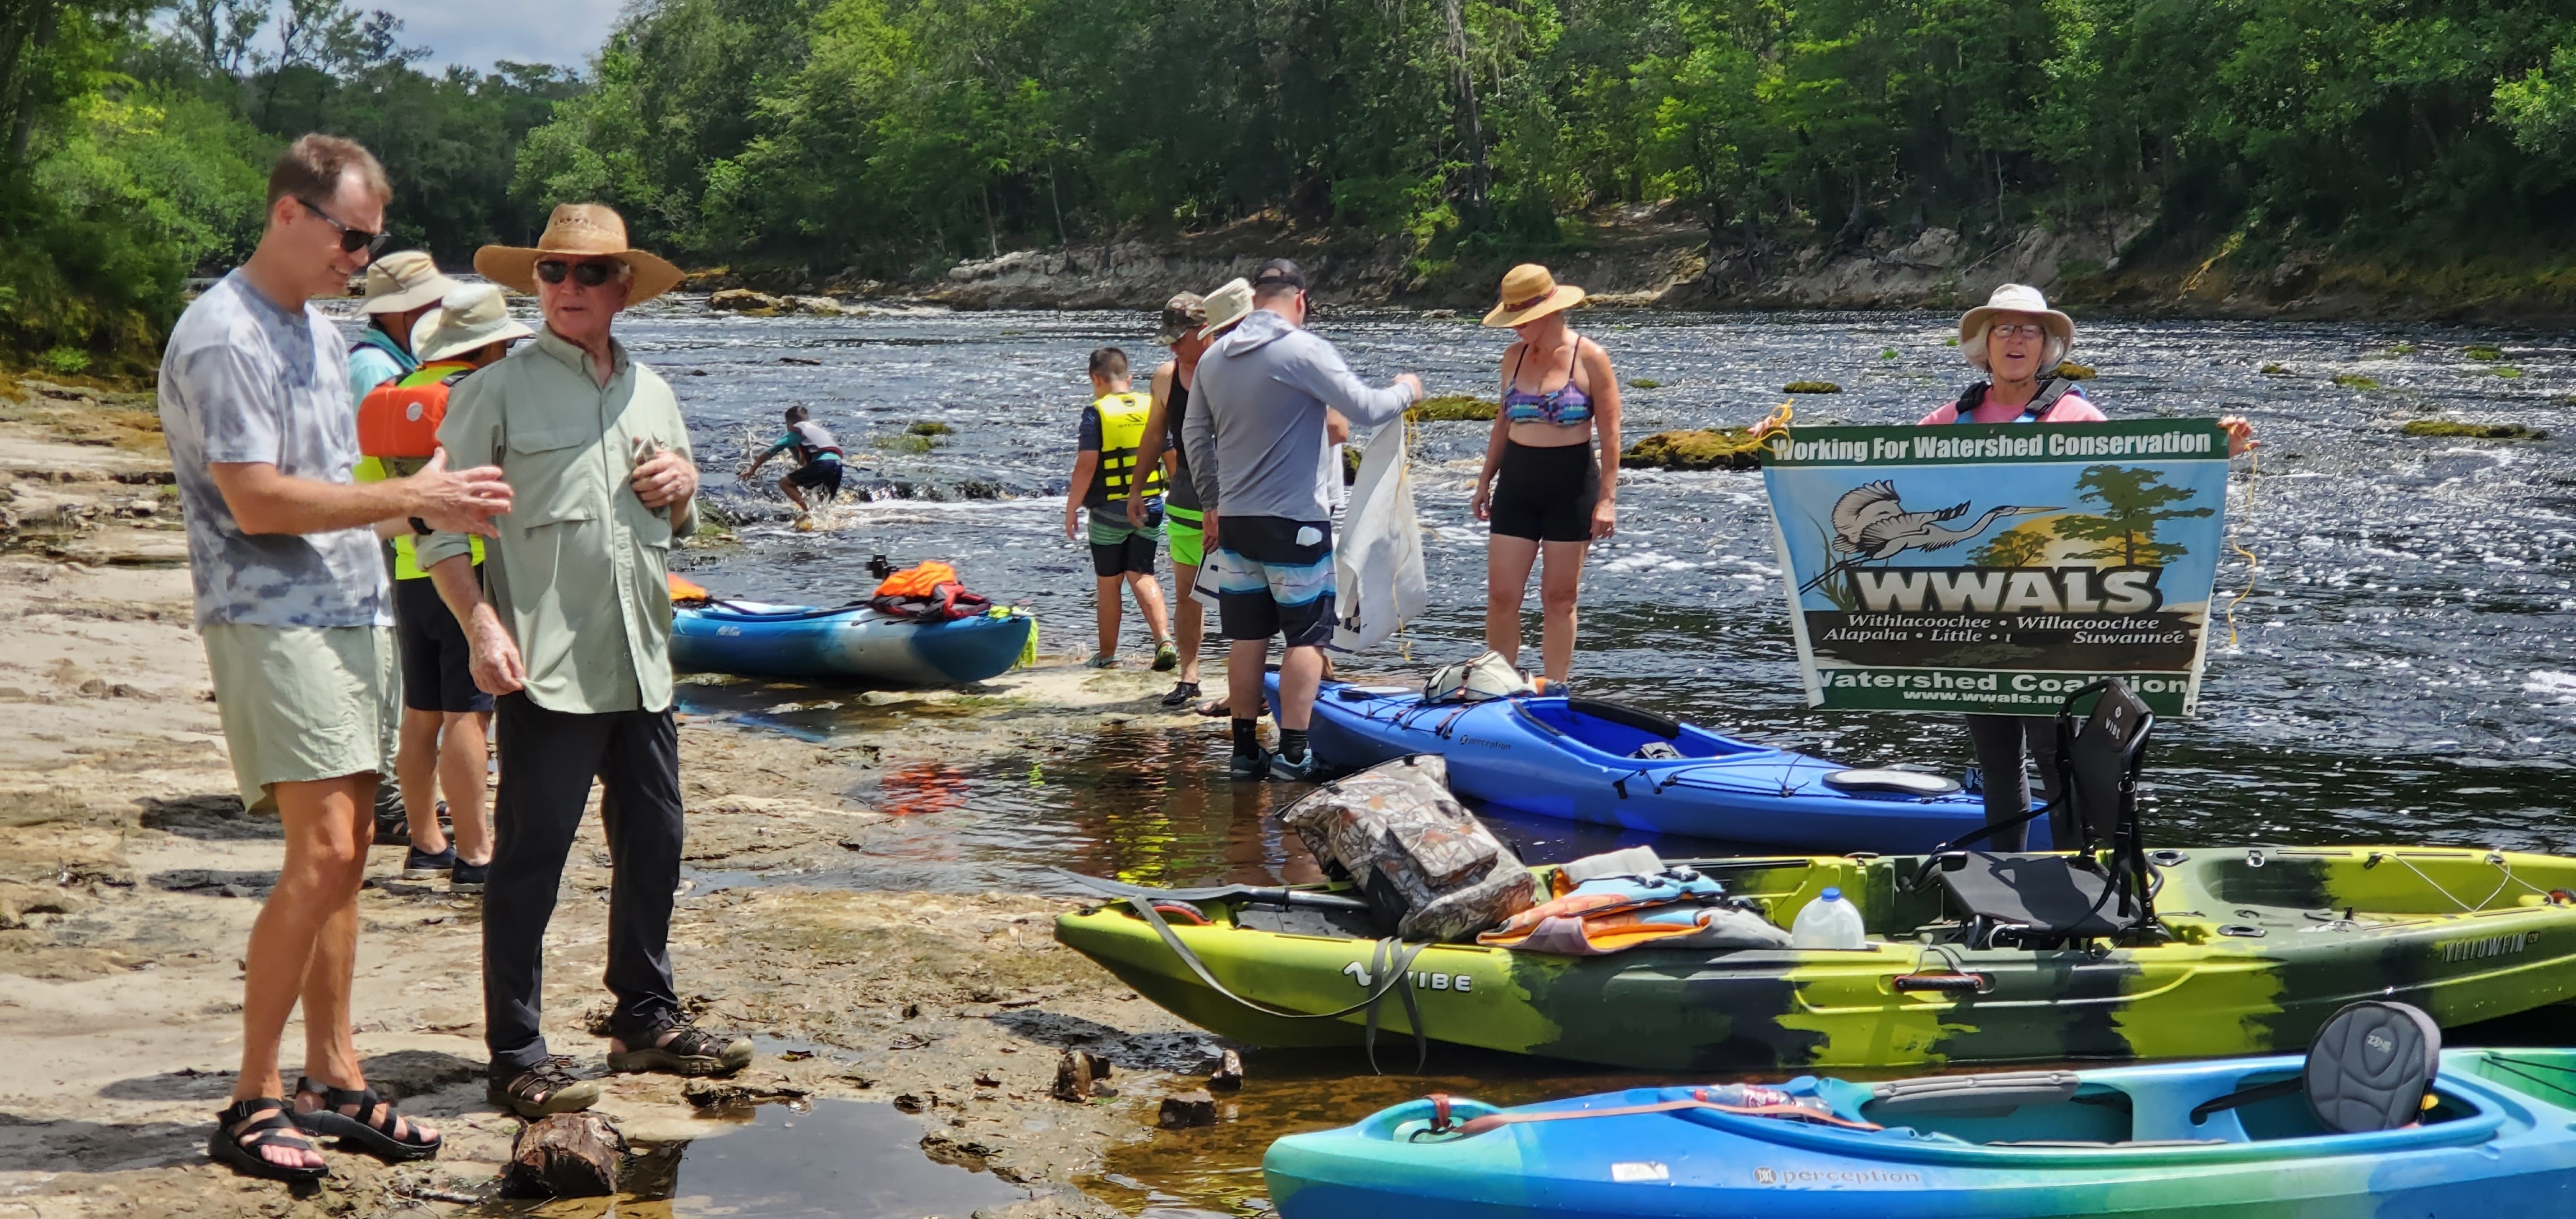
point(1267, 473)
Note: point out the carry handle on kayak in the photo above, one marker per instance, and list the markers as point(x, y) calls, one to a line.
point(1953, 984)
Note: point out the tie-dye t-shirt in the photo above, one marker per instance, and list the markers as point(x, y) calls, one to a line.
point(245, 381)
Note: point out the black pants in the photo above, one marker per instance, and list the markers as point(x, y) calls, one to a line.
point(2000, 756)
point(548, 759)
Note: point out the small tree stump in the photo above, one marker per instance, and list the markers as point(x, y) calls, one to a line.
point(1081, 1075)
point(1186, 1109)
point(1228, 1076)
point(567, 1155)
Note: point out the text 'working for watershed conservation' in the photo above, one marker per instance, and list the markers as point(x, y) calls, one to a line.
point(1999, 567)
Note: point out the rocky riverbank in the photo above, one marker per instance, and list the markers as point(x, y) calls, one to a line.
point(129, 875)
point(1646, 257)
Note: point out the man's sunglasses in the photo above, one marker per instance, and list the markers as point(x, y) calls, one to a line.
point(351, 240)
point(587, 274)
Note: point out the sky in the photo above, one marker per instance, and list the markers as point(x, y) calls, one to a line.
point(477, 33)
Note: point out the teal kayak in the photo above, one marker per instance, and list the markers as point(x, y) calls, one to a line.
point(2496, 1140)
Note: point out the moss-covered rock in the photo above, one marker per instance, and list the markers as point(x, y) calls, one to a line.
point(1811, 387)
point(930, 427)
point(2073, 371)
point(2276, 370)
point(2507, 371)
point(2473, 431)
point(1644, 383)
point(1453, 408)
point(1698, 449)
point(2354, 380)
point(2482, 353)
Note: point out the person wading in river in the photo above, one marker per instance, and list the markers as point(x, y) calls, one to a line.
point(575, 642)
point(1555, 496)
point(1183, 330)
point(2018, 341)
point(1261, 445)
point(291, 602)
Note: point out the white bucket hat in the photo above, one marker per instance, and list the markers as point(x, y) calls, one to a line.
point(1226, 306)
point(403, 281)
point(470, 317)
point(2013, 298)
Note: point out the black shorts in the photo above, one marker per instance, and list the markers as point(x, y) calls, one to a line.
point(1546, 494)
point(437, 666)
point(1274, 576)
point(823, 476)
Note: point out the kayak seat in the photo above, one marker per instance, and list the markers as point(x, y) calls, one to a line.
point(2043, 900)
point(2371, 1068)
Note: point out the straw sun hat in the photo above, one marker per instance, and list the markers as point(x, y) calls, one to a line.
point(1529, 291)
point(586, 230)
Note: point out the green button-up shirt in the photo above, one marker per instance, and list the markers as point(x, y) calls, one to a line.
point(577, 573)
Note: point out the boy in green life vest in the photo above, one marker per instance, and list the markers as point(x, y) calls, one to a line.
point(444, 717)
point(1112, 428)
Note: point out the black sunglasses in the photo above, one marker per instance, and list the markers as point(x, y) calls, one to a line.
point(587, 274)
point(351, 240)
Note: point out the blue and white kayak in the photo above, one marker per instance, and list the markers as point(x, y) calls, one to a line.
point(2497, 1138)
point(1586, 760)
point(759, 640)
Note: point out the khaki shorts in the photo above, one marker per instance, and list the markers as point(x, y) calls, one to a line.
point(301, 703)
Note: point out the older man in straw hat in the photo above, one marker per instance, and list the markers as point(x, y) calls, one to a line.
point(574, 639)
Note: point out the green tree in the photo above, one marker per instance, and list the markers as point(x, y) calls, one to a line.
point(2023, 545)
point(2134, 501)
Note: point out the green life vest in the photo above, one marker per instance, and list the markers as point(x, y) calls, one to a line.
point(1122, 430)
point(378, 469)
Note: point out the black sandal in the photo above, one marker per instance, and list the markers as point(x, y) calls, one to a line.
point(694, 1052)
point(372, 1130)
point(277, 1129)
point(1182, 692)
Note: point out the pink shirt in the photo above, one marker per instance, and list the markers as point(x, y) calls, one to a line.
point(2070, 409)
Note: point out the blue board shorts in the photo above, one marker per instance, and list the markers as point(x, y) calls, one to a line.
point(1274, 576)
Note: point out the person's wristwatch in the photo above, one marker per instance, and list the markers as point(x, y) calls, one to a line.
point(421, 528)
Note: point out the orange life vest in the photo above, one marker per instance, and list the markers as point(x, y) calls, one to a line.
point(919, 580)
point(400, 418)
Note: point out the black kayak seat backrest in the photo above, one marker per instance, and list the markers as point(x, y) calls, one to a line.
point(2099, 757)
point(1626, 716)
point(1970, 1095)
point(2371, 1066)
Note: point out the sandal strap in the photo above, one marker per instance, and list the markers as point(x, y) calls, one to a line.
point(370, 1106)
point(272, 1124)
point(546, 1078)
point(693, 1042)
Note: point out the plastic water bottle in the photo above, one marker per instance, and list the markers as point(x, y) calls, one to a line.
point(1828, 922)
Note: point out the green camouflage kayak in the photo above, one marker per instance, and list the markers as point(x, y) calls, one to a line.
point(2256, 947)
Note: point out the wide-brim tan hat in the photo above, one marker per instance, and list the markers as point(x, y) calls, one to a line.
point(586, 230)
point(1227, 305)
point(467, 319)
point(2014, 298)
point(403, 281)
point(1529, 291)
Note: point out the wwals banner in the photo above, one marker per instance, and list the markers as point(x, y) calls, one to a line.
point(1999, 567)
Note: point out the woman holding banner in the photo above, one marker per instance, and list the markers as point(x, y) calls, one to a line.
point(2015, 338)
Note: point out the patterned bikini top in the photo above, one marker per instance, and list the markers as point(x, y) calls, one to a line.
point(1566, 403)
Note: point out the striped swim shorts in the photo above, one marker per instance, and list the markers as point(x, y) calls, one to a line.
point(1274, 576)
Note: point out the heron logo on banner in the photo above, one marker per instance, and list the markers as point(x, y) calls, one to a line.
point(1998, 567)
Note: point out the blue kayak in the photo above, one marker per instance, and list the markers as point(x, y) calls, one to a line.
point(1581, 759)
point(2497, 1138)
point(758, 640)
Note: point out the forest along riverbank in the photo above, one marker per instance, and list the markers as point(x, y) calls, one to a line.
point(129, 875)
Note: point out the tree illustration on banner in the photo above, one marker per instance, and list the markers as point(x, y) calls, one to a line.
point(2134, 501)
point(2020, 546)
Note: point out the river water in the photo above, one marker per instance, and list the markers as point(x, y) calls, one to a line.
point(2403, 669)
